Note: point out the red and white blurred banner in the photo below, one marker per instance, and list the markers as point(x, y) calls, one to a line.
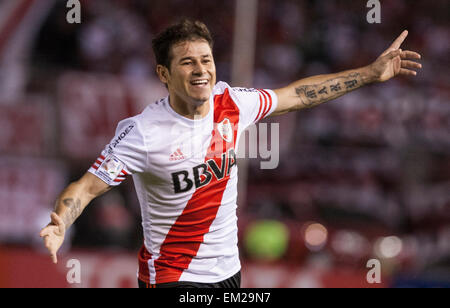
point(28, 190)
point(28, 269)
point(27, 129)
point(20, 21)
point(92, 105)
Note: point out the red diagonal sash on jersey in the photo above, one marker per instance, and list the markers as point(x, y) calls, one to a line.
point(186, 235)
point(143, 257)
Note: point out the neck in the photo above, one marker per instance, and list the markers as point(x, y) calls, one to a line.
point(189, 110)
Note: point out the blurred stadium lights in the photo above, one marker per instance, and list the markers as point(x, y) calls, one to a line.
point(388, 247)
point(350, 243)
point(315, 236)
point(266, 240)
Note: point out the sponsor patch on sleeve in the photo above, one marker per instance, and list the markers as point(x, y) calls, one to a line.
point(110, 170)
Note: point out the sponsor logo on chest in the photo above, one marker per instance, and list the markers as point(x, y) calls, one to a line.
point(202, 174)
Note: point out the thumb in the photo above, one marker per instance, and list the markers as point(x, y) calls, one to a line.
point(58, 222)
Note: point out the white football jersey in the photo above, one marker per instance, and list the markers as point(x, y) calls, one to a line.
point(185, 176)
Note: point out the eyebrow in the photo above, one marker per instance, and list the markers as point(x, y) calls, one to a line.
point(191, 58)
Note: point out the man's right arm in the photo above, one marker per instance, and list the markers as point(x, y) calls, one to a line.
point(69, 206)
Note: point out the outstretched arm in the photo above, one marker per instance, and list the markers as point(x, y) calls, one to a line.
point(69, 206)
point(313, 91)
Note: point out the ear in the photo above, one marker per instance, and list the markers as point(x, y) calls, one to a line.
point(163, 73)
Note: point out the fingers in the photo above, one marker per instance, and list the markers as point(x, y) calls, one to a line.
point(410, 64)
point(44, 232)
point(407, 72)
point(54, 258)
point(50, 246)
point(407, 67)
point(407, 54)
point(52, 235)
point(398, 42)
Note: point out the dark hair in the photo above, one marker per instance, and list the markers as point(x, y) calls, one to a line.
point(186, 30)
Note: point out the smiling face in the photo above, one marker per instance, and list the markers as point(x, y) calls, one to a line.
point(192, 73)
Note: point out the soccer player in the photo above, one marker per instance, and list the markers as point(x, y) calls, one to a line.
point(181, 153)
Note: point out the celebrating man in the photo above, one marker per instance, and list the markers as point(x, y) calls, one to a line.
point(188, 194)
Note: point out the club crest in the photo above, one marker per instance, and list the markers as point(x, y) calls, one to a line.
point(225, 130)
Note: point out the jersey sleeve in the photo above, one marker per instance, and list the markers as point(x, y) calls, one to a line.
point(125, 155)
point(255, 104)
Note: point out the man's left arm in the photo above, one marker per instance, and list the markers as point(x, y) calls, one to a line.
point(313, 91)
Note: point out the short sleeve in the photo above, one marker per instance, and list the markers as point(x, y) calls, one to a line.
point(125, 155)
point(255, 104)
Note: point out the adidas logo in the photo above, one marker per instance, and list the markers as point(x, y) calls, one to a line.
point(178, 155)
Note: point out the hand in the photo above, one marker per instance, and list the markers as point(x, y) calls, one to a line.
point(53, 235)
point(394, 61)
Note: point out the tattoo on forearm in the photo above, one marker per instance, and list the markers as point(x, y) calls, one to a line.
point(351, 84)
point(75, 210)
point(315, 94)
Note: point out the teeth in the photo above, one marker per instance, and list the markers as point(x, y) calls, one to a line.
point(197, 82)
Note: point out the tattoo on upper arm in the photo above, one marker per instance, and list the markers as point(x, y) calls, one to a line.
point(75, 210)
point(315, 94)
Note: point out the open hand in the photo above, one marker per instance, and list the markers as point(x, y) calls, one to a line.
point(395, 61)
point(53, 235)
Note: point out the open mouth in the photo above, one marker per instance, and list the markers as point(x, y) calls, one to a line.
point(200, 82)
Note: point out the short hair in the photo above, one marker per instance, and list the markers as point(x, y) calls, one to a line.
point(186, 30)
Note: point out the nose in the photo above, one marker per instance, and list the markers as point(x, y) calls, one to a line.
point(199, 69)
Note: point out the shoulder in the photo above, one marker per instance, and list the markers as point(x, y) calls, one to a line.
point(222, 87)
point(135, 125)
point(150, 116)
point(238, 94)
point(127, 125)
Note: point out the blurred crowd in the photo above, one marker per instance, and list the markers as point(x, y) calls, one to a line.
point(373, 163)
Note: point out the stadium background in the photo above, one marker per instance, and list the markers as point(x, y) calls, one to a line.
point(366, 176)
